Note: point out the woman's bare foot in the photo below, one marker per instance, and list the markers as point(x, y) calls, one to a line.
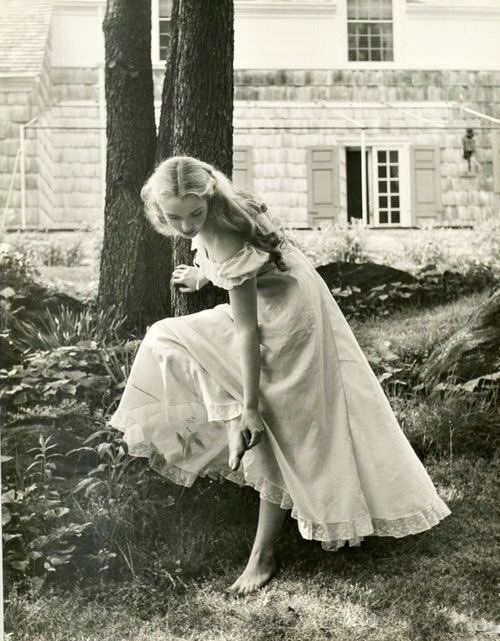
point(237, 447)
point(260, 569)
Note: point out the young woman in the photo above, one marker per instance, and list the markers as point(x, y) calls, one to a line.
point(271, 390)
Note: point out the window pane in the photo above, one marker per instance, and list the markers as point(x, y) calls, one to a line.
point(369, 9)
point(165, 8)
point(386, 11)
point(352, 13)
point(394, 171)
point(382, 187)
point(164, 27)
point(381, 156)
point(383, 201)
point(393, 156)
point(394, 187)
point(395, 217)
point(394, 202)
point(383, 216)
point(382, 171)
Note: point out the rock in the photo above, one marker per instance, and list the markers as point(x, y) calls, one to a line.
point(471, 352)
point(362, 275)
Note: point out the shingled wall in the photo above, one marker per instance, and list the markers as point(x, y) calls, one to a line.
point(479, 88)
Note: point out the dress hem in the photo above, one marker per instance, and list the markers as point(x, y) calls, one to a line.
point(332, 536)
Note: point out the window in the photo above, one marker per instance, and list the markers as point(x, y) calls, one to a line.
point(388, 197)
point(164, 13)
point(369, 30)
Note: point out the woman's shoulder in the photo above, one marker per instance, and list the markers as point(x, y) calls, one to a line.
point(228, 246)
point(221, 251)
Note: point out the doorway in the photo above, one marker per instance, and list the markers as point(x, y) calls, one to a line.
point(353, 184)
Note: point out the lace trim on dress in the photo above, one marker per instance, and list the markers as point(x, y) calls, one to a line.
point(331, 535)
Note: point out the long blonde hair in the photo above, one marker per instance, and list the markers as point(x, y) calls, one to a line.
point(228, 207)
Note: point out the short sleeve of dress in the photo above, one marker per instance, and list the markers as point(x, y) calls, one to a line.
point(235, 270)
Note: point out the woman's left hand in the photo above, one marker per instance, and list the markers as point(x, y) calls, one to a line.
point(252, 427)
point(186, 278)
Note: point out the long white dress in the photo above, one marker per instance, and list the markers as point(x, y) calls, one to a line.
point(333, 451)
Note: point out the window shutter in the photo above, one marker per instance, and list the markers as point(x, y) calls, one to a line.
point(243, 168)
point(426, 180)
point(323, 184)
point(496, 160)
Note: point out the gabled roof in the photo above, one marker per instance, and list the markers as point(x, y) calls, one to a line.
point(24, 31)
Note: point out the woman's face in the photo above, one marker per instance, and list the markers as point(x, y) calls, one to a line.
point(186, 215)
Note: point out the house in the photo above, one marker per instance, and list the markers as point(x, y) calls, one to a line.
point(344, 109)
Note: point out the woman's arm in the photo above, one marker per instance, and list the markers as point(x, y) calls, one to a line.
point(243, 300)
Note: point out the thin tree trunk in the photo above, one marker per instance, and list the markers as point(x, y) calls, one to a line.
point(197, 108)
point(135, 260)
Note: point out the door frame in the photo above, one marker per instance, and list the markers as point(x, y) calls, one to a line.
point(403, 146)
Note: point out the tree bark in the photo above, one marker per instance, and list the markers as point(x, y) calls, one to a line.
point(135, 260)
point(197, 108)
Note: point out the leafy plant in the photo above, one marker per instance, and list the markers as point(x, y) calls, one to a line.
point(67, 327)
point(83, 371)
point(38, 536)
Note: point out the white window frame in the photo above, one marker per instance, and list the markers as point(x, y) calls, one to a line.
point(398, 41)
point(349, 21)
point(404, 184)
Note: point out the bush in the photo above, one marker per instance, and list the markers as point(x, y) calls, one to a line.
point(334, 242)
point(85, 371)
point(58, 249)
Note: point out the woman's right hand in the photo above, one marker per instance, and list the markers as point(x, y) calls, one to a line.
point(185, 278)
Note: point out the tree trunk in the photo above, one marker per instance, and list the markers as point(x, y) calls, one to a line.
point(135, 260)
point(197, 108)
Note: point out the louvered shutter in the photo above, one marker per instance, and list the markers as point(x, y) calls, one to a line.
point(426, 181)
point(322, 184)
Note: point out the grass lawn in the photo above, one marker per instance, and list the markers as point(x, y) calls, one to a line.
point(435, 586)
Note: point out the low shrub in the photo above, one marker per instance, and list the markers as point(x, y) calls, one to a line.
point(90, 373)
point(334, 242)
point(61, 249)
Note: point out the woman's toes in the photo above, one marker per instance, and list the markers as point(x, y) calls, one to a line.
point(234, 461)
point(236, 450)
